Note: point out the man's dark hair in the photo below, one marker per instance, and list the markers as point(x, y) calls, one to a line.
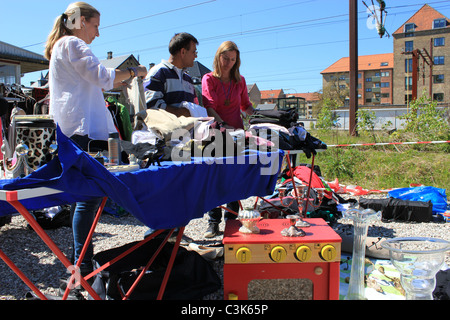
point(181, 41)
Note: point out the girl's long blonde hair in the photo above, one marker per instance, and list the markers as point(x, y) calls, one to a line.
point(234, 72)
point(61, 29)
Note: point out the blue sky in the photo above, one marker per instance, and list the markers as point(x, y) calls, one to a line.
point(284, 44)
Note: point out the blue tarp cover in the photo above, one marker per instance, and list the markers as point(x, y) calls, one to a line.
point(161, 197)
point(437, 196)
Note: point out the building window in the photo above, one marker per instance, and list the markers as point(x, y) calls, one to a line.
point(409, 46)
point(368, 89)
point(439, 42)
point(7, 74)
point(342, 86)
point(359, 75)
point(439, 60)
point(439, 23)
point(408, 98)
point(385, 95)
point(409, 29)
point(385, 84)
point(408, 83)
point(438, 97)
point(385, 74)
point(384, 64)
point(368, 79)
point(408, 65)
point(439, 78)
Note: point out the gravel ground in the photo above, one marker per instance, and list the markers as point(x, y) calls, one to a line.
point(30, 254)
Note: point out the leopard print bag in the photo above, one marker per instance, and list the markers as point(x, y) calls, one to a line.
point(38, 133)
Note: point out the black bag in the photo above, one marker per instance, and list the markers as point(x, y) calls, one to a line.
point(61, 219)
point(286, 118)
point(400, 210)
point(191, 277)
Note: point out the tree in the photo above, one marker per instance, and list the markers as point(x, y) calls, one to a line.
point(336, 89)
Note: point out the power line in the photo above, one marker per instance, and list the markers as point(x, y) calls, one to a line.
point(157, 14)
point(207, 21)
point(137, 19)
point(277, 28)
point(292, 25)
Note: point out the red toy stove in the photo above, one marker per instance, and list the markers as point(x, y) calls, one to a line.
point(270, 266)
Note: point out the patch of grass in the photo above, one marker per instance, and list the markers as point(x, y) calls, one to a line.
point(382, 167)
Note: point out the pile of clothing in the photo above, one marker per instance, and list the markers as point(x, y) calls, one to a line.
point(200, 136)
point(283, 125)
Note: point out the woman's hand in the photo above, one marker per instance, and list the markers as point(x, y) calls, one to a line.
point(141, 71)
point(122, 75)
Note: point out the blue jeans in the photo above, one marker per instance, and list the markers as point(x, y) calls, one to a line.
point(82, 216)
point(215, 215)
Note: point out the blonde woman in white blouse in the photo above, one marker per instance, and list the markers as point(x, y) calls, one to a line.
point(76, 77)
point(76, 81)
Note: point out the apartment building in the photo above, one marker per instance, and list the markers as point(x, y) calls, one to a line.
point(375, 79)
point(422, 44)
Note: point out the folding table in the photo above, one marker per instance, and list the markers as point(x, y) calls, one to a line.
point(162, 197)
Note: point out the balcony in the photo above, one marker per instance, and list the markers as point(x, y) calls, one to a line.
point(376, 90)
point(376, 100)
point(376, 79)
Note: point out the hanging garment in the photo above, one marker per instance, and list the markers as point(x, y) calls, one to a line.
point(121, 118)
point(135, 96)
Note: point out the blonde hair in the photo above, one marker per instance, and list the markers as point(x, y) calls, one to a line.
point(61, 29)
point(234, 72)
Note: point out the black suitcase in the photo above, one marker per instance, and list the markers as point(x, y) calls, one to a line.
point(400, 210)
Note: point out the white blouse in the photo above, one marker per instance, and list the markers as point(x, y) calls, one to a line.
point(76, 80)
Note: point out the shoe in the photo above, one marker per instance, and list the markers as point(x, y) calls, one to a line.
point(212, 231)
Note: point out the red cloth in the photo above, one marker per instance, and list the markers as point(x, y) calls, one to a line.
point(303, 173)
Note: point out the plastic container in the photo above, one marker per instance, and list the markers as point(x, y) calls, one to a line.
point(114, 149)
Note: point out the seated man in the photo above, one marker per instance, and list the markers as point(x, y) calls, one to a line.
point(166, 84)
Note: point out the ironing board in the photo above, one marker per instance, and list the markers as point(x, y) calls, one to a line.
point(162, 197)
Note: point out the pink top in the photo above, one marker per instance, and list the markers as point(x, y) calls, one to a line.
point(226, 99)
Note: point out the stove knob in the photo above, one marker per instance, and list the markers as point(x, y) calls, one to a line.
point(278, 254)
point(303, 253)
point(328, 252)
point(243, 255)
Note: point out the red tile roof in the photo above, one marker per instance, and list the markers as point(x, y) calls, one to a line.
point(308, 96)
point(271, 94)
point(369, 62)
point(423, 19)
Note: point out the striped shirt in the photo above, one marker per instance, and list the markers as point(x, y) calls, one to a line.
point(166, 85)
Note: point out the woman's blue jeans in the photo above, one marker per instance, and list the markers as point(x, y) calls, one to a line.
point(215, 215)
point(82, 216)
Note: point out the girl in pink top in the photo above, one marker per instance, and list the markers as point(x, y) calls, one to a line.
point(224, 90)
point(224, 96)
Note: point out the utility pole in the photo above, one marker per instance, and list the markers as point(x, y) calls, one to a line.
point(353, 108)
